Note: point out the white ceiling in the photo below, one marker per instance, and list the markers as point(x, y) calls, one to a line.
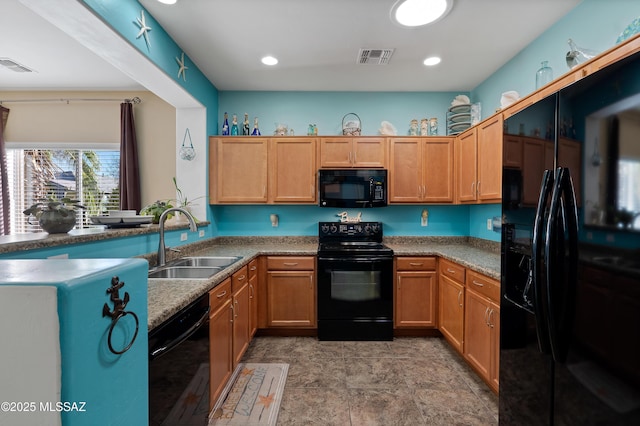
point(316, 41)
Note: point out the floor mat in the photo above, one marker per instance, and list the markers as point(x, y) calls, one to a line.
point(252, 397)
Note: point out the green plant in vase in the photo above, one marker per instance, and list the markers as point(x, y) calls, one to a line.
point(182, 200)
point(55, 216)
point(156, 209)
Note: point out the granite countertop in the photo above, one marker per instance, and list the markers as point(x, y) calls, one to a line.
point(167, 296)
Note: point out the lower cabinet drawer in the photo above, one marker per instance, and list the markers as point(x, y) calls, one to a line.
point(484, 285)
point(219, 294)
point(290, 263)
point(416, 263)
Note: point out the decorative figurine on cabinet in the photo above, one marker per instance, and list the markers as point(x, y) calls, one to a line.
point(424, 127)
point(225, 125)
point(234, 125)
point(256, 130)
point(245, 125)
point(413, 128)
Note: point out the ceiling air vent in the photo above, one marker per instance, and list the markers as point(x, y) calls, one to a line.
point(13, 65)
point(375, 56)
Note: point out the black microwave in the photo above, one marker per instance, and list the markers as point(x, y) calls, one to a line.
point(360, 188)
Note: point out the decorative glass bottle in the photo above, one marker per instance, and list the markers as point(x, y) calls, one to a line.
point(544, 75)
point(234, 125)
point(225, 125)
point(256, 130)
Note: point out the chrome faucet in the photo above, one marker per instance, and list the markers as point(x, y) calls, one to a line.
point(162, 258)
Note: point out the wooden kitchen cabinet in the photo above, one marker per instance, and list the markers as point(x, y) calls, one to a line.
point(479, 162)
point(253, 297)
point(241, 313)
point(451, 303)
point(466, 154)
point(220, 339)
point(415, 292)
point(570, 155)
point(291, 294)
point(238, 170)
point(490, 159)
point(482, 327)
point(347, 152)
point(421, 170)
point(512, 151)
point(292, 174)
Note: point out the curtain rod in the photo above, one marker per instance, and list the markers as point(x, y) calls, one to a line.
point(135, 100)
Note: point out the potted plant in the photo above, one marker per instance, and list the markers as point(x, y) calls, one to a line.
point(183, 201)
point(156, 209)
point(55, 216)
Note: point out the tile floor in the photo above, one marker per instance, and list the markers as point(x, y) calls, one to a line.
point(410, 381)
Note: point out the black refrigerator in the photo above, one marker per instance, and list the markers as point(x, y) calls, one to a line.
point(570, 290)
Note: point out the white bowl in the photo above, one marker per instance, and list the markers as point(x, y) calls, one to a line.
point(122, 213)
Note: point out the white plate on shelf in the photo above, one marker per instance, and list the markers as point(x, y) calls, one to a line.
point(457, 118)
point(105, 220)
point(460, 108)
point(459, 127)
point(121, 220)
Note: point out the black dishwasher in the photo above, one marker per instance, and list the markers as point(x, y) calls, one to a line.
point(179, 367)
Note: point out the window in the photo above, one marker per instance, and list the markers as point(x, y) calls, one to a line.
point(88, 174)
point(628, 189)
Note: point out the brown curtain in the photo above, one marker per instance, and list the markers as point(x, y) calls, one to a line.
point(4, 176)
point(129, 171)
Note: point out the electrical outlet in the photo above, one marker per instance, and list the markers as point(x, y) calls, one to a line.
point(201, 233)
point(489, 225)
point(183, 236)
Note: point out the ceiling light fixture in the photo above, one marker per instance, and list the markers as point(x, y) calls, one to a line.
point(415, 13)
point(269, 60)
point(431, 61)
point(168, 1)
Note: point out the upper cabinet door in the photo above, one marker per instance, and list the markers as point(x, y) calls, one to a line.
point(466, 166)
point(335, 153)
point(369, 152)
point(490, 160)
point(240, 174)
point(348, 152)
point(437, 154)
point(405, 174)
point(292, 178)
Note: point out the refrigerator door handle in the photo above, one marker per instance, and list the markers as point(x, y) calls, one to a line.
point(538, 261)
point(561, 249)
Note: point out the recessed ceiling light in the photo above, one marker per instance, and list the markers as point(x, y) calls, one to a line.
point(433, 60)
point(415, 13)
point(269, 60)
point(168, 1)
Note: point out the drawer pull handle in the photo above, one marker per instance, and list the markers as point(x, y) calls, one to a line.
point(477, 283)
point(451, 271)
point(416, 263)
point(459, 297)
point(242, 277)
point(290, 263)
point(219, 295)
point(253, 268)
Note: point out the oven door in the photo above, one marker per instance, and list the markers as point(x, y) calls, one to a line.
point(355, 298)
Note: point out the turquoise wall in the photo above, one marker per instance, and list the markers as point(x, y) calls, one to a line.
point(458, 220)
point(326, 109)
point(162, 51)
point(593, 24)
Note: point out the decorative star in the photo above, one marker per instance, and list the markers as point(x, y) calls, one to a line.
point(144, 28)
point(183, 68)
point(267, 400)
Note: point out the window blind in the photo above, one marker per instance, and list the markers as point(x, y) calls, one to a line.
point(88, 175)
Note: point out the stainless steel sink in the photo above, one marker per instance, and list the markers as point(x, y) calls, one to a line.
point(213, 261)
point(184, 272)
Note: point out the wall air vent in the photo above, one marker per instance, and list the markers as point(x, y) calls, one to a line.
point(13, 65)
point(374, 56)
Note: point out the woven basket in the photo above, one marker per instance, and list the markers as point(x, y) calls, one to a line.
point(351, 127)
